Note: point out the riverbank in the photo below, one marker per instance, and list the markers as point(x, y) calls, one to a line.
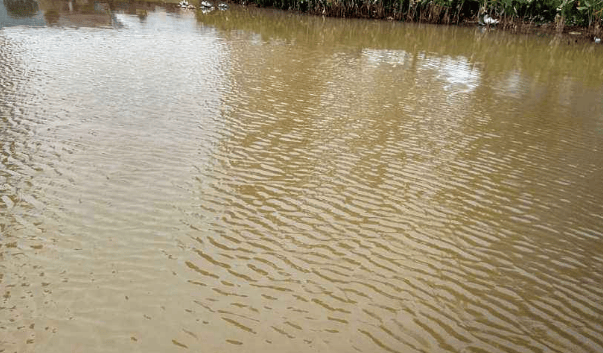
point(576, 21)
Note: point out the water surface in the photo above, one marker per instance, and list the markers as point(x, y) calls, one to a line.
point(260, 181)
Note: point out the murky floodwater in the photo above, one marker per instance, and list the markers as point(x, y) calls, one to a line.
point(255, 181)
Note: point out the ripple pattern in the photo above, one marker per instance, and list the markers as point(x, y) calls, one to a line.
point(175, 185)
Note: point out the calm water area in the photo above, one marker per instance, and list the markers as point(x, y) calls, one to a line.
point(252, 180)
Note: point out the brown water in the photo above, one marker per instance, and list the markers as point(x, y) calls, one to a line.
point(256, 181)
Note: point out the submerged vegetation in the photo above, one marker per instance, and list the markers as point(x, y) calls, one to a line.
point(556, 14)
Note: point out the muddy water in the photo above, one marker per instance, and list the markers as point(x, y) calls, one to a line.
point(256, 181)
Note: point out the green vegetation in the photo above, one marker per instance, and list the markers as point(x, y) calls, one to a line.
point(511, 13)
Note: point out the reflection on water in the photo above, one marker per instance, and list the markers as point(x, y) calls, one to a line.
point(20, 12)
point(21, 8)
point(78, 13)
point(260, 181)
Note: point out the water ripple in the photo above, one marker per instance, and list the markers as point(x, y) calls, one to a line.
point(212, 181)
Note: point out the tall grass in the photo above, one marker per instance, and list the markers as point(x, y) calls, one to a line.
point(583, 13)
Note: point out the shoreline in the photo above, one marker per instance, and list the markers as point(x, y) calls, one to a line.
point(464, 16)
point(572, 34)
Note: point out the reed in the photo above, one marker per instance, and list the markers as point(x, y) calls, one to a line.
point(559, 14)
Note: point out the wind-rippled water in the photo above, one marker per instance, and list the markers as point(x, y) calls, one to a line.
point(256, 181)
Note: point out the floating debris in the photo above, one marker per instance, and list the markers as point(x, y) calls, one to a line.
point(185, 5)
